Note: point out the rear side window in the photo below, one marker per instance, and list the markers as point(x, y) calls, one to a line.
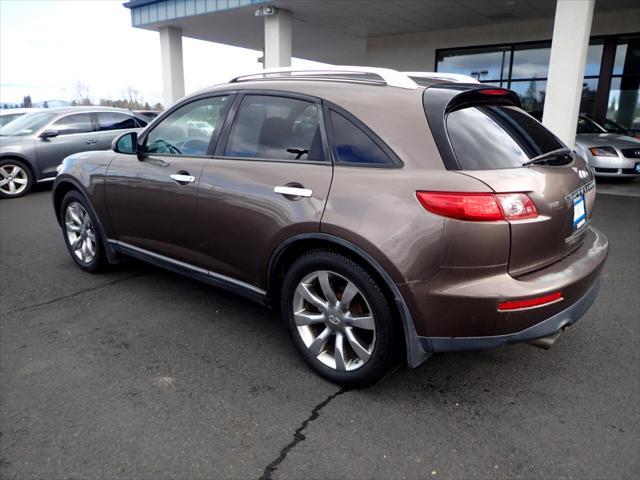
point(276, 128)
point(354, 146)
point(495, 136)
point(76, 123)
point(115, 121)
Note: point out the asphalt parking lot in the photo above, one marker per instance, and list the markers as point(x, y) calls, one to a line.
point(143, 374)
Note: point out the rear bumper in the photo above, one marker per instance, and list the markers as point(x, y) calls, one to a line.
point(545, 328)
point(462, 303)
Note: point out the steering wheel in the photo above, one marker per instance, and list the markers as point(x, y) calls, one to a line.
point(163, 144)
point(194, 147)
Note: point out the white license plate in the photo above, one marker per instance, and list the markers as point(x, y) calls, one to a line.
point(579, 212)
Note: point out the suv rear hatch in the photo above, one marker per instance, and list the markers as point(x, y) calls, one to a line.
point(484, 134)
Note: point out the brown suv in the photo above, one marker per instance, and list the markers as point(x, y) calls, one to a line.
point(380, 213)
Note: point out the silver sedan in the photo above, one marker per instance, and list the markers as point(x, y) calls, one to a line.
point(609, 154)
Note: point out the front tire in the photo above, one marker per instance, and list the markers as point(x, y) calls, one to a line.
point(81, 235)
point(16, 178)
point(339, 319)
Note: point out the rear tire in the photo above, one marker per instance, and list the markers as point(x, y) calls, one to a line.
point(339, 319)
point(16, 178)
point(81, 235)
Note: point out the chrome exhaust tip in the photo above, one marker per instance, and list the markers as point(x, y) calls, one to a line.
point(545, 342)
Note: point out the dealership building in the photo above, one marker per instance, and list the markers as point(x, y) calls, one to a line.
point(563, 57)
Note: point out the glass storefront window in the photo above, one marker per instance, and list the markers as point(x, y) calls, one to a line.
point(531, 61)
point(594, 59)
point(531, 93)
point(589, 90)
point(485, 65)
point(530, 68)
point(624, 103)
point(621, 54)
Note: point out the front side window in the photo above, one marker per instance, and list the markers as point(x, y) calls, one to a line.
point(115, 121)
point(352, 145)
point(276, 128)
point(495, 136)
point(76, 123)
point(188, 130)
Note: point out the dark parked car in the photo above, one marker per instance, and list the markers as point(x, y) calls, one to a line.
point(147, 114)
point(377, 215)
point(32, 146)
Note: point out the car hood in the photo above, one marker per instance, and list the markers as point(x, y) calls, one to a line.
point(603, 139)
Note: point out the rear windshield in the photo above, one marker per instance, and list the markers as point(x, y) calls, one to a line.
point(487, 137)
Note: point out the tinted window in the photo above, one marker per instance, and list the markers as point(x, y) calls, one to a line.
point(115, 121)
point(352, 145)
point(76, 123)
point(189, 129)
point(490, 137)
point(276, 128)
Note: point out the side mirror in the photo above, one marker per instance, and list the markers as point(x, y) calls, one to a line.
point(49, 134)
point(126, 143)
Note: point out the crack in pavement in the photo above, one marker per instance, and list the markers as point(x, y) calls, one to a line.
point(298, 436)
point(71, 295)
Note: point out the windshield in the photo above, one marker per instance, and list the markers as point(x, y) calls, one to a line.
point(27, 124)
point(9, 117)
point(586, 125)
point(487, 137)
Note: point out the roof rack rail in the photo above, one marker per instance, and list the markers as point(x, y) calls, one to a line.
point(384, 76)
point(453, 77)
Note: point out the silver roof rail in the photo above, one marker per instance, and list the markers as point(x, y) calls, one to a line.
point(453, 77)
point(386, 76)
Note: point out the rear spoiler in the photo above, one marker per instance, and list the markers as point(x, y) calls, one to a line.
point(443, 98)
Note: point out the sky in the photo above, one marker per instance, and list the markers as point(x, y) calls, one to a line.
point(48, 46)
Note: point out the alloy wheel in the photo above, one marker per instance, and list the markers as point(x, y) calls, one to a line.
point(334, 320)
point(80, 233)
point(13, 179)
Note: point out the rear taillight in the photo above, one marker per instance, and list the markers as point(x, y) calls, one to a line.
point(517, 206)
point(530, 302)
point(479, 207)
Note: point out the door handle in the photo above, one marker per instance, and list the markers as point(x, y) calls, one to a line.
point(292, 191)
point(91, 142)
point(183, 178)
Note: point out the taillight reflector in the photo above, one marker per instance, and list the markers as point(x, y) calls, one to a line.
point(530, 302)
point(479, 206)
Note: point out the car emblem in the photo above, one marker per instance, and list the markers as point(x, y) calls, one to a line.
point(334, 320)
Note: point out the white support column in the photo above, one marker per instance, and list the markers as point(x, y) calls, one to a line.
point(172, 68)
point(571, 30)
point(278, 39)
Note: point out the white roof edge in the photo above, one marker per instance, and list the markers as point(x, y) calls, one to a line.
point(393, 78)
point(456, 77)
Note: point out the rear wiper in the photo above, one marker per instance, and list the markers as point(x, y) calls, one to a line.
point(545, 157)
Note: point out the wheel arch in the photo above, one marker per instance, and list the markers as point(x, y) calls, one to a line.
point(292, 248)
point(66, 184)
point(21, 159)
